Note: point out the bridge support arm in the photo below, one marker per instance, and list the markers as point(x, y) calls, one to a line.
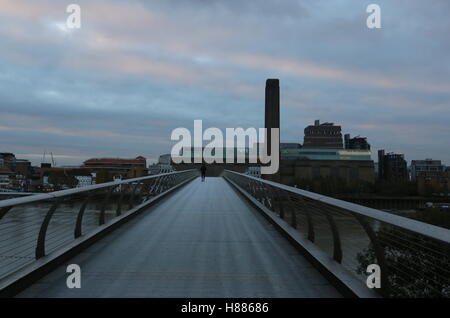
point(40, 246)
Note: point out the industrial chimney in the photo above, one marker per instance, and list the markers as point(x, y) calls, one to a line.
point(272, 112)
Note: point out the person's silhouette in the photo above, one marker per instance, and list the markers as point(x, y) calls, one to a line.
point(203, 171)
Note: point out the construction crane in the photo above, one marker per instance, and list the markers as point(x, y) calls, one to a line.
point(53, 161)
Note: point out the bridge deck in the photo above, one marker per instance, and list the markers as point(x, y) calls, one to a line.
point(202, 241)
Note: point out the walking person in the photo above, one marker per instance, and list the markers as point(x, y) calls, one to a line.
point(203, 171)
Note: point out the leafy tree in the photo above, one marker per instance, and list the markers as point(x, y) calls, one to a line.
point(334, 186)
point(61, 178)
point(433, 216)
point(396, 187)
point(417, 268)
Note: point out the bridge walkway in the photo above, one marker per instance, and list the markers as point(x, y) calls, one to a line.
point(204, 240)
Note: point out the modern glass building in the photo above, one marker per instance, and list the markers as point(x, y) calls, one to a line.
point(324, 154)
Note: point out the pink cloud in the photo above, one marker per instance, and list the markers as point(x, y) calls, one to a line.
point(303, 68)
point(25, 9)
point(80, 133)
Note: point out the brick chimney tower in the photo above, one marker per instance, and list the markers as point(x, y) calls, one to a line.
point(272, 111)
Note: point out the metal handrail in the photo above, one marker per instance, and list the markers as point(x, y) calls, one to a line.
point(63, 193)
point(414, 257)
point(432, 231)
point(137, 192)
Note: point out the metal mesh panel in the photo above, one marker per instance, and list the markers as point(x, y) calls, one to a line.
point(299, 207)
point(21, 222)
point(418, 266)
point(19, 230)
point(353, 237)
point(414, 263)
point(60, 228)
point(322, 233)
point(90, 218)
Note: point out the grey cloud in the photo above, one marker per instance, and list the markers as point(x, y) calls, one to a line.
point(195, 44)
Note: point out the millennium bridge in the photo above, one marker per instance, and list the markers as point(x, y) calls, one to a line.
point(172, 235)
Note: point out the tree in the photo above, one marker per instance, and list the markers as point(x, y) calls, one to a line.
point(61, 178)
point(417, 266)
point(433, 216)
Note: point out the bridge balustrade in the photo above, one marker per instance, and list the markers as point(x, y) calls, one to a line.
point(34, 226)
point(414, 257)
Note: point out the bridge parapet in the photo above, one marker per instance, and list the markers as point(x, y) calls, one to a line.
point(413, 257)
point(35, 226)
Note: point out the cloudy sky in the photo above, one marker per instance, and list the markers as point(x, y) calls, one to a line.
point(138, 69)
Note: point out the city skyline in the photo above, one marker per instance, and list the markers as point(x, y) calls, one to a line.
point(118, 86)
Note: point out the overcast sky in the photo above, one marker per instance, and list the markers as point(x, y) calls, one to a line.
point(138, 69)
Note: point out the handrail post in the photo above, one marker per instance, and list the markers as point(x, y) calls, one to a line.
point(79, 222)
point(379, 253)
point(293, 212)
point(161, 184)
point(119, 203)
point(151, 188)
point(4, 210)
point(280, 202)
point(138, 194)
point(270, 195)
point(157, 185)
point(309, 220)
point(101, 219)
point(166, 183)
point(131, 201)
point(337, 249)
point(40, 244)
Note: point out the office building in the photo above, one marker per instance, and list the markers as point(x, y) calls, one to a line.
point(165, 159)
point(129, 168)
point(8, 160)
point(289, 145)
point(326, 135)
point(433, 183)
point(84, 181)
point(6, 178)
point(23, 167)
point(427, 165)
point(164, 165)
point(323, 155)
point(356, 143)
point(392, 166)
point(116, 163)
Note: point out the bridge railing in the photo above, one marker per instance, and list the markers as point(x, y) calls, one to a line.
point(414, 257)
point(34, 226)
